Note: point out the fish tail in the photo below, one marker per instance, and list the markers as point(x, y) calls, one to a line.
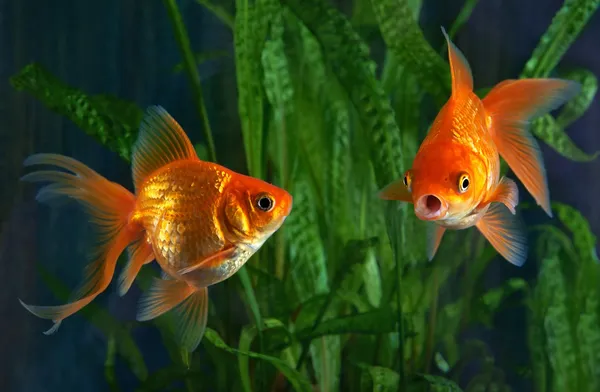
point(109, 206)
point(511, 106)
point(189, 303)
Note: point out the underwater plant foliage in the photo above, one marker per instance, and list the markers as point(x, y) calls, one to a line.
point(343, 297)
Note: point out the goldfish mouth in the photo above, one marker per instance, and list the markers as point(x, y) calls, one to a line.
point(430, 207)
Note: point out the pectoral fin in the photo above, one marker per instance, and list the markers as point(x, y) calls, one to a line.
point(396, 191)
point(505, 232)
point(435, 233)
point(212, 260)
point(506, 193)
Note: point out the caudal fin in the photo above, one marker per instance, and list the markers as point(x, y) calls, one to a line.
point(511, 105)
point(109, 206)
point(189, 303)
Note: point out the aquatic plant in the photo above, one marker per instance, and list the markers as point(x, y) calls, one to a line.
point(343, 297)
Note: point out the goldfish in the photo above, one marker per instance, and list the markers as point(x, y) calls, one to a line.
point(454, 182)
point(200, 221)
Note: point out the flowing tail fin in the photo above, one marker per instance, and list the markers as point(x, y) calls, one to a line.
point(511, 105)
point(109, 206)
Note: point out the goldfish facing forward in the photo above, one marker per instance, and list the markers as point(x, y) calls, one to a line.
point(199, 220)
point(454, 181)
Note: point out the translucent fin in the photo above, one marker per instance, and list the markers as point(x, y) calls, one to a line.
point(506, 233)
point(109, 206)
point(164, 275)
point(396, 191)
point(511, 106)
point(140, 253)
point(506, 193)
point(210, 261)
point(435, 233)
point(162, 296)
point(161, 141)
point(192, 317)
point(462, 79)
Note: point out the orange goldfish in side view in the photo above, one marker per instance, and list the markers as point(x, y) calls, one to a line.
point(199, 220)
point(454, 181)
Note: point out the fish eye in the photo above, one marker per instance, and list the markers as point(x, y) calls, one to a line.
point(265, 202)
point(463, 183)
point(406, 180)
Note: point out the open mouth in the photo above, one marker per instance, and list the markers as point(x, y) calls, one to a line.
point(429, 207)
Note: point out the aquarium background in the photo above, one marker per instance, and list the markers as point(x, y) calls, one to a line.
point(492, 330)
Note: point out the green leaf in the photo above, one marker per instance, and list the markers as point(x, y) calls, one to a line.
point(547, 129)
point(299, 383)
point(492, 299)
point(405, 39)
point(577, 106)
point(110, 120)
point(219, 11)
point(348, 56)
point(439, 384)
point(381, 378)
point(250, 31)
point(202, 58)
point(101, 319)
point(462, 18)
point(583, 238)
point(374, 322)
point(248, 334)
point(566, 26)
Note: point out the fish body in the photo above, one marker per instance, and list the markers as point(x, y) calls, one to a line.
point(454, 181)
point(199, 220)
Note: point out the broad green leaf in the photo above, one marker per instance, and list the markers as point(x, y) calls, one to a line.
point(547, 129)
point(566, 26)
point(110, 120)
point(348, 56)
point(378, 378)
point(405, 39)
point(577, 106)
point(374, 322)
point(298, 382)
point(583, 237)
point(250, 32)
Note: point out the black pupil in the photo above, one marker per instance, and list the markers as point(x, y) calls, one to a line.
point(465, 183)
point(405, 181)
point(264, 203)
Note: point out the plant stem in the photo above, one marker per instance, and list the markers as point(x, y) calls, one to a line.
point(432, 321)
point(183, 42)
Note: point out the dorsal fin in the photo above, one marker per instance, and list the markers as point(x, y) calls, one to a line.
point(462, 79)
point(160, 141)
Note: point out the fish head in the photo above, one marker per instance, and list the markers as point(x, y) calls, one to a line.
point(447, 182)
point(255, 209)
